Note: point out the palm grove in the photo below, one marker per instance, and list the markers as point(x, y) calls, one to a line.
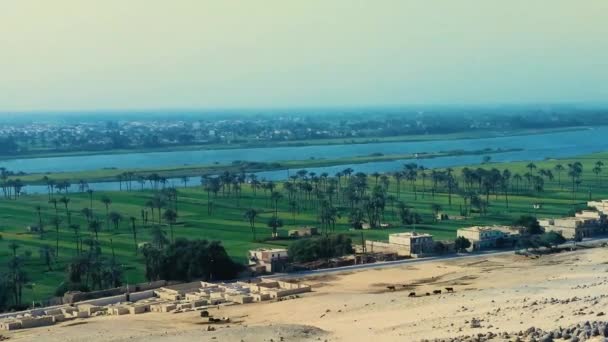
point(95, 239)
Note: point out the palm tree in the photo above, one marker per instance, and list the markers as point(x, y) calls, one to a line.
point(90, 192)
point(531, 167)
point(251, 215)
point(134, 230)
point(158, 237)
point(66, 202)
point(398, 177)
point(115, 218)
point(411, 174)
point(170, 216)
point(47, 255)
point(597, 169)
point(87, 213)
point(276, 196)
point(424, 176)
point(451, 182)
point(376, 175)
point(436, 208)
point(95, 226)
point(274, 223)
point(40, 224)
point(159, 202)
point(185, 180)
point(14, 246)
point(76, 229)
point(559, 168)
point(53, 201)
point(107, 201)
point(574, 171)
point(504, 182)
point(56, 221)
point(517, 178)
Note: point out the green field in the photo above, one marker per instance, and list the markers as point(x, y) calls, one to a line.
point(228, 224)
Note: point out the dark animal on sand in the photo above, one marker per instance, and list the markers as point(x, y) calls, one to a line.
point(437, 292)
point(392, 288)
point(449, 289)
point(412, 294)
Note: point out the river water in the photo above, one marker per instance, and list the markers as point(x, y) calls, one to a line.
point(533, 147)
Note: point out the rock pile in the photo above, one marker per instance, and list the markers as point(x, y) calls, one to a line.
point(575, 333)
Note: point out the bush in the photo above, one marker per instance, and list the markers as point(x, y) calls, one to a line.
point(552, 239)
point(439, 247)
point(530, 223)
point(312, 249)
point(461, 243)
point(186, 260)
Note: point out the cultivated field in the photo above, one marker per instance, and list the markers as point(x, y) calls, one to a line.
point(228, 224)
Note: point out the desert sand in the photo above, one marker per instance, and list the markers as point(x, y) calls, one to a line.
point(506, 293)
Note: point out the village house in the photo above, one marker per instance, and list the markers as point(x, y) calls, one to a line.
point(268, 260)
point(585, 224)
point(409, 244)
point(489, 236)
point(303, 232)
point(601, 206)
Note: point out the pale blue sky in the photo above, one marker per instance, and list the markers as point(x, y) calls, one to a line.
point(127, 54)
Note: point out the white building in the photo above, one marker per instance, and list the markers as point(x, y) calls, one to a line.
point(404, 244)
point(267, 259)
point(487, 237)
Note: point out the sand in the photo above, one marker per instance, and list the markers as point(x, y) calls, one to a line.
point(506, 293)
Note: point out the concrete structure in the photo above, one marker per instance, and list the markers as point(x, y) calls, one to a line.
point(575, 227)
point(592, 215)
point(601, 206)
point(483, 237)
point(303, 232)
point(268, 259)
point(190, 296)
point(404, 244)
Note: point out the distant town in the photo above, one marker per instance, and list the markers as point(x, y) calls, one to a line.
point(56, 134)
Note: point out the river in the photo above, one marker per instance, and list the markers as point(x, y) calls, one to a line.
point(532, 147)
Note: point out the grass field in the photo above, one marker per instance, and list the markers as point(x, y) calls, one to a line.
point(228, 224)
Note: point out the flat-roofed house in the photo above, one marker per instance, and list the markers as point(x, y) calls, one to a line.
point(268, 259)
point(601, 206)
point(484, 237)
point(404, 244)
point(575, 227)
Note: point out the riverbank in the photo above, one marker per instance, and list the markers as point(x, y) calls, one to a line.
point(111, 174)
point(298, 143)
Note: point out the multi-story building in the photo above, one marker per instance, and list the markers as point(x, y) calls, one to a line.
point(404, 244)
point(488, 237)
point(583, 225)
point(269, 260)
point(601, 206)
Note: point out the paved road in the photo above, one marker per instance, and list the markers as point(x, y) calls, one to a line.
point(396, 263)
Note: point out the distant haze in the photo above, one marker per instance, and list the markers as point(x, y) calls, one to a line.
point(128, 54)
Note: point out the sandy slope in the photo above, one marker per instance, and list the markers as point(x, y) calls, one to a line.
point(506, 293)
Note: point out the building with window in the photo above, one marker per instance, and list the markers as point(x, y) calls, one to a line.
point(585, 224)
point(268, 260)
point(489, 236)
point(410, 244)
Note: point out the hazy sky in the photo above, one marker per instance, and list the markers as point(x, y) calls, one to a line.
point(126, 54)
